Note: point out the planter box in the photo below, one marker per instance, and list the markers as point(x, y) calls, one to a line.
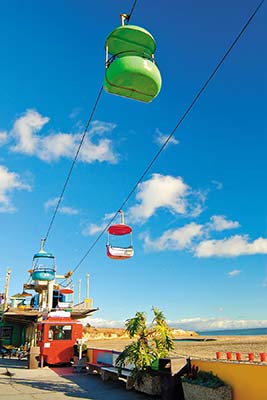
point(197, 392)
point(149, 385)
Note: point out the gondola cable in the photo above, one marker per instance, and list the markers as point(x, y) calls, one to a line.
point(187, 111)
point(73, 164)
point(128, 17)
point(131, 12)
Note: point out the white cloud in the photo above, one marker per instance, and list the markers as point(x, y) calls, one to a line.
point(102, 151)
point(160, 138)
point(9, 181)
point(195, 203)
point(162, 191)
point(220, 223)
point(75, 112)
point(231, 247)
point(3, 138)
point(100, 127)
point(235, 272)
point(63, 209)
point(92, 229)
point(195, 324)
point(102, 323)
point(24, 130)
point(202, 324)
point(52, 147)
point(217, 184)
point(197, 210)
point(51, 203)
point(68, 210)
point(174, 239)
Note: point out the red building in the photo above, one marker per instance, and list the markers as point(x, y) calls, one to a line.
point(56, 337)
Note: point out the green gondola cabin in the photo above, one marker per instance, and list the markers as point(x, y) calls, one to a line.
point(131, 70)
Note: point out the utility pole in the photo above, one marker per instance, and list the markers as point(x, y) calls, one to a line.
point(8, 272)
point(87, 285)
point(50, 286)
point(72, 296)
point(79, 291)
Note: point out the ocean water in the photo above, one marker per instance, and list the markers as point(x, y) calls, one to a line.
point(235, 332)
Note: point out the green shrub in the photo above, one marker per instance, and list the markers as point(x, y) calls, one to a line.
point(151, 342)
point(203, 378)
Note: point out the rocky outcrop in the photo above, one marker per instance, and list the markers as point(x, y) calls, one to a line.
point(181, 332)
point(104, 333)
point(91, 333)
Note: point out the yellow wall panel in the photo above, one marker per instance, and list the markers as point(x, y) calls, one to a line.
point(248, 381)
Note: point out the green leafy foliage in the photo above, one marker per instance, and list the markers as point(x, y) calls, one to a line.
point(203, 378)
point(151, 342)
point(136, 325)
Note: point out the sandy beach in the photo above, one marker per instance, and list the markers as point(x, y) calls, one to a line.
point(200, 349)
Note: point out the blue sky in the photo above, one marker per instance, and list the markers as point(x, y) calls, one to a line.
point(198, 217)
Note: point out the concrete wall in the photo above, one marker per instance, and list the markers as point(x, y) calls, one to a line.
point(248, 381)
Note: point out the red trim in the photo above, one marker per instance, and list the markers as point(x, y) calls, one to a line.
point(119, 229)
point(65, 291)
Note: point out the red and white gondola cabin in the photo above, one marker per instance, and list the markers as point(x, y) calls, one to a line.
point(117, 252)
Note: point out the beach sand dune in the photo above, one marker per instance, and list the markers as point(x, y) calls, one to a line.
point(201, 349)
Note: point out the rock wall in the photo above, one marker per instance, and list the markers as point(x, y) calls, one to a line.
point(197, 392)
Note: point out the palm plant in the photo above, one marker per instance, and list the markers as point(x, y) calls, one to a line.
point(151, 342)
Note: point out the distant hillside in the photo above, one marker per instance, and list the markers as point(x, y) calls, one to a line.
point(181, 332)
point(119, 333)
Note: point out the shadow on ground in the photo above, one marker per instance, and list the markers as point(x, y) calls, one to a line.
point(83, 387)
point(13, 363)
point(72, 385)
point(111, 390)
